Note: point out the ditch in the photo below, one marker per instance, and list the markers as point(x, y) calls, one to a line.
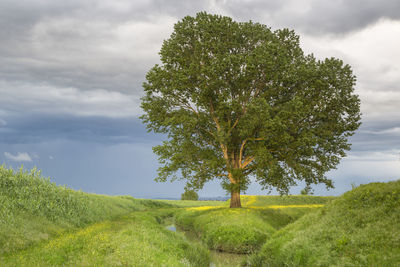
point(218, 258)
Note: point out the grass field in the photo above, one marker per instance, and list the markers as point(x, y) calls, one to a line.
point(194, 203)
point(245, 230)
point(286, 201)
point(42, 224)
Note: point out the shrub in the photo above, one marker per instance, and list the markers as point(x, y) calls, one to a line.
point(189, 195)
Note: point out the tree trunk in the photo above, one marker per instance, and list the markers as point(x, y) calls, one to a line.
point(235, 199)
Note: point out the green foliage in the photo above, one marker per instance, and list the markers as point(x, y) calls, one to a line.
point(189, 195)
point(137, 239)
point(32, 208)
point(237, 98)
point(307, 190)
point(303, 192)
point(360, 228)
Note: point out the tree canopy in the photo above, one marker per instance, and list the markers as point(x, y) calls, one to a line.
point(189, 194)
point(237, 99)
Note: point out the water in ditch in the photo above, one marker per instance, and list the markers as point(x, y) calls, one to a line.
point(218, 258)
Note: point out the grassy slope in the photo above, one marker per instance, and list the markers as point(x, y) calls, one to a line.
point(136, 239)
point(43, 224)
point(245, 230)
point(360, 228)
point(33, 209)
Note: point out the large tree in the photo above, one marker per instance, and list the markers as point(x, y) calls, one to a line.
point(238, 100)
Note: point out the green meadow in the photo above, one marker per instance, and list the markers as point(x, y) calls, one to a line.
point(43, 224)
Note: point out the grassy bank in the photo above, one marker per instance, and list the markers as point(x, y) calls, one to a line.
point(42, 224)
point(137, 239)
point(33, 209)
point(360, 228)
point(245, 230)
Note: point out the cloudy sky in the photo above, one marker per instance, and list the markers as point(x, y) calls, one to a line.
point(71, 75)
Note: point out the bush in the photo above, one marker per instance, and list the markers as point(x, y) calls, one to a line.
point(189, 195)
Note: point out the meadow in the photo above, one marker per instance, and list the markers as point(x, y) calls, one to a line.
point(43, 224)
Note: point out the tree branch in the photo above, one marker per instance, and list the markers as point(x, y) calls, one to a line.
point(241, 152)
point(247, 161)
point(233, 126)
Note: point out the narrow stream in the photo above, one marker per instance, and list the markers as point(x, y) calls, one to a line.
point(218, 258)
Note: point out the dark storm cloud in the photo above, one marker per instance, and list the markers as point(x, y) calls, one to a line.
point(86, 44)
point(375, 136)
point(75, 44)
point(39, 128)
point(111, 44)
point(315, 16)
point(345, 16)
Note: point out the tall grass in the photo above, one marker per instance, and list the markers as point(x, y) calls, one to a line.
point(135, 239)
point(360, 228)
point(32, 208)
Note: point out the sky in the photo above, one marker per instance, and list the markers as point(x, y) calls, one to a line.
point(71, 77)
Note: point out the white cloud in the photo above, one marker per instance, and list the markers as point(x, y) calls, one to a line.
point(365, 167)
point(98, 45)
point(375, 58)
point(18, 157)
point(376, 156)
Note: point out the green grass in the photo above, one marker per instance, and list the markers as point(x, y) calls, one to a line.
point(232, 230)
point(360, 228)
point(254, 201)
point(264, 201)
point(245, 230)
point(33, 209)
point(193, 203)
point(137, 239)
point(42, 224)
